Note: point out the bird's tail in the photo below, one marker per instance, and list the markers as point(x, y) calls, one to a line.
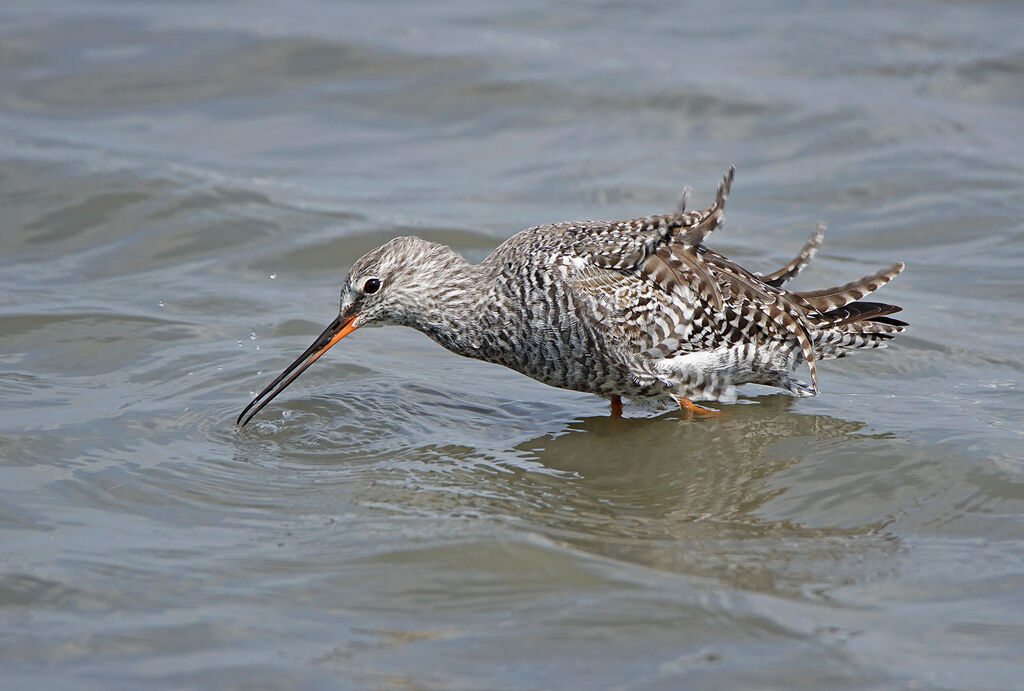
point(844, 322)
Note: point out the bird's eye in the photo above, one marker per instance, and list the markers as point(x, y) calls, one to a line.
point(371, 286)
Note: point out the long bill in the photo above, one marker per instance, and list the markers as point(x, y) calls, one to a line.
point(337, 330)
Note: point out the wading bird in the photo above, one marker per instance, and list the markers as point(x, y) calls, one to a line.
point(638, 309)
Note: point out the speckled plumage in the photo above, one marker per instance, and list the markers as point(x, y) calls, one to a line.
point(640, 309)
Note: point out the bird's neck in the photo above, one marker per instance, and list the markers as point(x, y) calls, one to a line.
point(449, 302)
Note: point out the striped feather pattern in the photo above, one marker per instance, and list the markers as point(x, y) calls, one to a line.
point(831, 298)
point(779, 278)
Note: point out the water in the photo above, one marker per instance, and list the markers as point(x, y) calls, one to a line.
point(183, 187)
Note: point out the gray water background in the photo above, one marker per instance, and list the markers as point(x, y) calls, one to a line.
point(183, 187)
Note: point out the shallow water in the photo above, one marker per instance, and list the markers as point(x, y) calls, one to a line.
point(183, 188)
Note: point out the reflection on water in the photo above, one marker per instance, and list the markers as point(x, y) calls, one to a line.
point(662, 492)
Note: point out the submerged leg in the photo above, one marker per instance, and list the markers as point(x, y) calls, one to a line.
point(616, 405)
point(690, 407)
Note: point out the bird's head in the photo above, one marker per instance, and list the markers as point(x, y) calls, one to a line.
point(396, 283)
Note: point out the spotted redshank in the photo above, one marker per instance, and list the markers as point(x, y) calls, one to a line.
point(637, 309)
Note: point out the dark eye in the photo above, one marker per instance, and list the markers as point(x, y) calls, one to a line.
point(371, 286)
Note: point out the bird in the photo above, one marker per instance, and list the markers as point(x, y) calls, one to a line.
point(639, 309)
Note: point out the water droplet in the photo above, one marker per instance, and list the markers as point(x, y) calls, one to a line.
point(259, 372)
point(190, 373)
point(220, 367)
point(252, 335)
point(239, 344)
point(160, 304)
point(286, 414)
point(252, 393)
point(257, 347)
point(273, 276)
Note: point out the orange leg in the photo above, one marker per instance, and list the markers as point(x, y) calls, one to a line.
point(616, 406)
point(690, 407)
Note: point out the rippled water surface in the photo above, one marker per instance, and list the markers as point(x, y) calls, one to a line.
point(182, 189)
